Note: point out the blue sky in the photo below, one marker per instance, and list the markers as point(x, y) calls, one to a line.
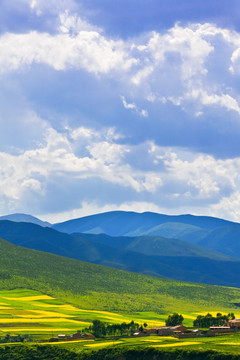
point(131, 105)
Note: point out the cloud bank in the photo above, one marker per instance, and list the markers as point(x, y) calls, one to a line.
point(100, 122)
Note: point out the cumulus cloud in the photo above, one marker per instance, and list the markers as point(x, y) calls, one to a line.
point(175, 66)
point(173, 177)
point(87, 50)
point(171, 77)
point(32, 169)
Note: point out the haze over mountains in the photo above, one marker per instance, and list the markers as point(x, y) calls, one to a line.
point(169, 249)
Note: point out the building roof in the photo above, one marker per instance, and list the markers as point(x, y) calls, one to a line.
point(219, 327)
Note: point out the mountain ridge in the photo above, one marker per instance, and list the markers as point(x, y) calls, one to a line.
point(21, 217)
point(109, 221)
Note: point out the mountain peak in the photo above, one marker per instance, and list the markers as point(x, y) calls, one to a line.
point(20, 217)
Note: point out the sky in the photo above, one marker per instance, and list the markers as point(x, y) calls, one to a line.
point(119, 105)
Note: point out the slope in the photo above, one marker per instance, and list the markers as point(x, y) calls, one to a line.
point(153, 245)
point(97, 287)
point(179, 231)
point(226, 239)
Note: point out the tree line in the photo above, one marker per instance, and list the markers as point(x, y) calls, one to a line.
point(100, 328)
point(210, 320)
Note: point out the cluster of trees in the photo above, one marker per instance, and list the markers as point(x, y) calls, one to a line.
point(101, 329)
point(174, 319)
point(15, 338)
point(20, 352)
point(209, 320)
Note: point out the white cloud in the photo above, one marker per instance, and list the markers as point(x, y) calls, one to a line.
point(228, 207)
point(87, 50)
point(170, 66)
point(197, 176)
point(178, 177)
point(133, 106)
point(32, 169)
point(73, 24)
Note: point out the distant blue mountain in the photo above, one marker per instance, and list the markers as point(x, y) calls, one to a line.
point(123, 223)
point(209, 232)
point(25, 218)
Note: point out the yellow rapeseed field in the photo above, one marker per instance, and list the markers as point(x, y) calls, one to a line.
point(149, 340)
point(113, 318)
point(179, 344)
point(47, 320)
point(100, 312)
point(30, 298)
point(41, 313)
point(64, 342)
point(186, 316)
point(46, 329)
point(5, 307)
point(104, 344)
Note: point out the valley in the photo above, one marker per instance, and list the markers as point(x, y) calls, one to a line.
point(44, 295)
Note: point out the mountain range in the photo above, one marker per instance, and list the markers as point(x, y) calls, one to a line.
point(209, 232)
point(183, 247)
point(152, 255)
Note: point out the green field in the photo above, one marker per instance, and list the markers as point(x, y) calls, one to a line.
point(227, 344)
point(25, 311)
point(223, 344)
point(31, 312)
point(95, 287)
point(44, 295)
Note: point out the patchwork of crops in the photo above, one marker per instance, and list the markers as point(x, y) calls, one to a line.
point(30, 312)
point(42, 316)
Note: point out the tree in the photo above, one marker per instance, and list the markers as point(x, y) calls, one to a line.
point(98, 328)
point(231, 316)
point(174, 319)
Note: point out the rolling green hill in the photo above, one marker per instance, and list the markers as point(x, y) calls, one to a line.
point(91, 286)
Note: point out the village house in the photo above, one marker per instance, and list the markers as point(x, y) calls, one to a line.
point(164, 330)
point(71, 337)
point(235, 323)
point(221, 329)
